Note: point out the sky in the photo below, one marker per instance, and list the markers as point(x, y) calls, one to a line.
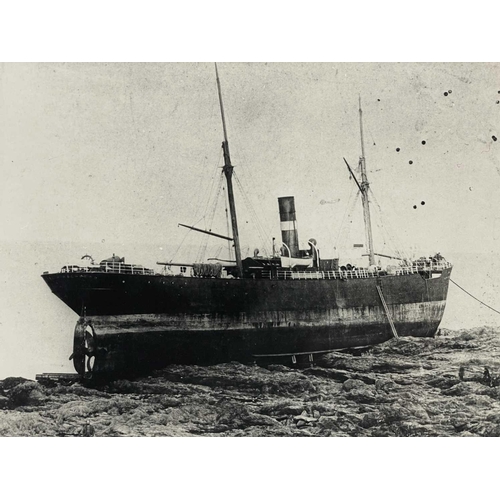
point(123, 152)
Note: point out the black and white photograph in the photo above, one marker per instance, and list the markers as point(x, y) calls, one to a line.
point(250, 249)
point(225, 223)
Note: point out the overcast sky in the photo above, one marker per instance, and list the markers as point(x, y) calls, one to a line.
point(123, 152)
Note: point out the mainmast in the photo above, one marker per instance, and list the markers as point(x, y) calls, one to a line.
point(228, 172)
point(364, 193)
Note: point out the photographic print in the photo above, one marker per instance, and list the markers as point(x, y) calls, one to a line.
point(250, 249)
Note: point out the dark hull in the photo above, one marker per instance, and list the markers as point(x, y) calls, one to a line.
point(143, 322)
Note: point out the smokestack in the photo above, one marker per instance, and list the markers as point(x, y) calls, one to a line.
point(288, 224)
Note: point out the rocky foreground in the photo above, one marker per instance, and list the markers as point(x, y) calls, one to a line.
point(443, 386)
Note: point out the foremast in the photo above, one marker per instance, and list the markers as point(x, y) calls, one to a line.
point(364, 187)
point(228, 172)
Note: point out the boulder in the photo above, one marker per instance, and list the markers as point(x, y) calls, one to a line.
point(460, 389)
point(239, 416)
point(443, 382)
point(395, 413)
point(371, 419)
point(11, 382)
point(460, 421)
point(385, 385)
point(362, 395)
point(352, 383)
point(305, 418)
point(26, 394)
point(328, 423)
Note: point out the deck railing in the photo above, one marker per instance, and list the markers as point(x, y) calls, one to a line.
point(109, 267)
point(414, 268)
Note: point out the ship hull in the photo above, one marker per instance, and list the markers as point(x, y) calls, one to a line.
point(140, 323)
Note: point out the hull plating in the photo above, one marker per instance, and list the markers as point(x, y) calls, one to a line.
point(146, 322)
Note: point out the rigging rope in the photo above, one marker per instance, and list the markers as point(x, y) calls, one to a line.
point(228, 227)
point(216, 176)
point(344, 228)
point(475, 298)
point(211, 215)
point(172, 259)
point(262, 232)
point(389, 232)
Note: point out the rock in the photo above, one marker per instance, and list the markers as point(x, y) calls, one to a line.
point(305, 418)
point(351, 384)
point(411, 429)
point(467, 434)
point(371, 419)
point(493, 432)
point(395, 413)
point(165, 401)
point(239, 416)
point(385, 385)
point(26, 394)
point(443, 382)
point(460, 421)
point(393, 365)
point(359, 365)
point(416, 410)
point(4, 403)
point(492, 392)
point(481, 400)
point(118, 430)
point(328, 423)
point(278, 368)
point(362, 395)
point(460, 389)
point(282, 407)
point(331, 373)
point(316, 414)
point(87, 430)
point(350, 423)
point(404, 380)
point(11, 382)
point(463, 345)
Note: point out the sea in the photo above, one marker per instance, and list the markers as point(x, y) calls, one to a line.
point(36, 328)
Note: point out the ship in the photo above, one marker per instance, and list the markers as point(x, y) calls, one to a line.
point(289, 307)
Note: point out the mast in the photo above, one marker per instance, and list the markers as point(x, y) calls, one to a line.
point(364, 193)
point(228, 172)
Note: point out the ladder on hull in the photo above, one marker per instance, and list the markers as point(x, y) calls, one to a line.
point(387, 313)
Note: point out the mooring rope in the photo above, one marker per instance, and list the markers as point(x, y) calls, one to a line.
point(475, 298)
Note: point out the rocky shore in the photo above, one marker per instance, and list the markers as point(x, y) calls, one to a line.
point(442, 386)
